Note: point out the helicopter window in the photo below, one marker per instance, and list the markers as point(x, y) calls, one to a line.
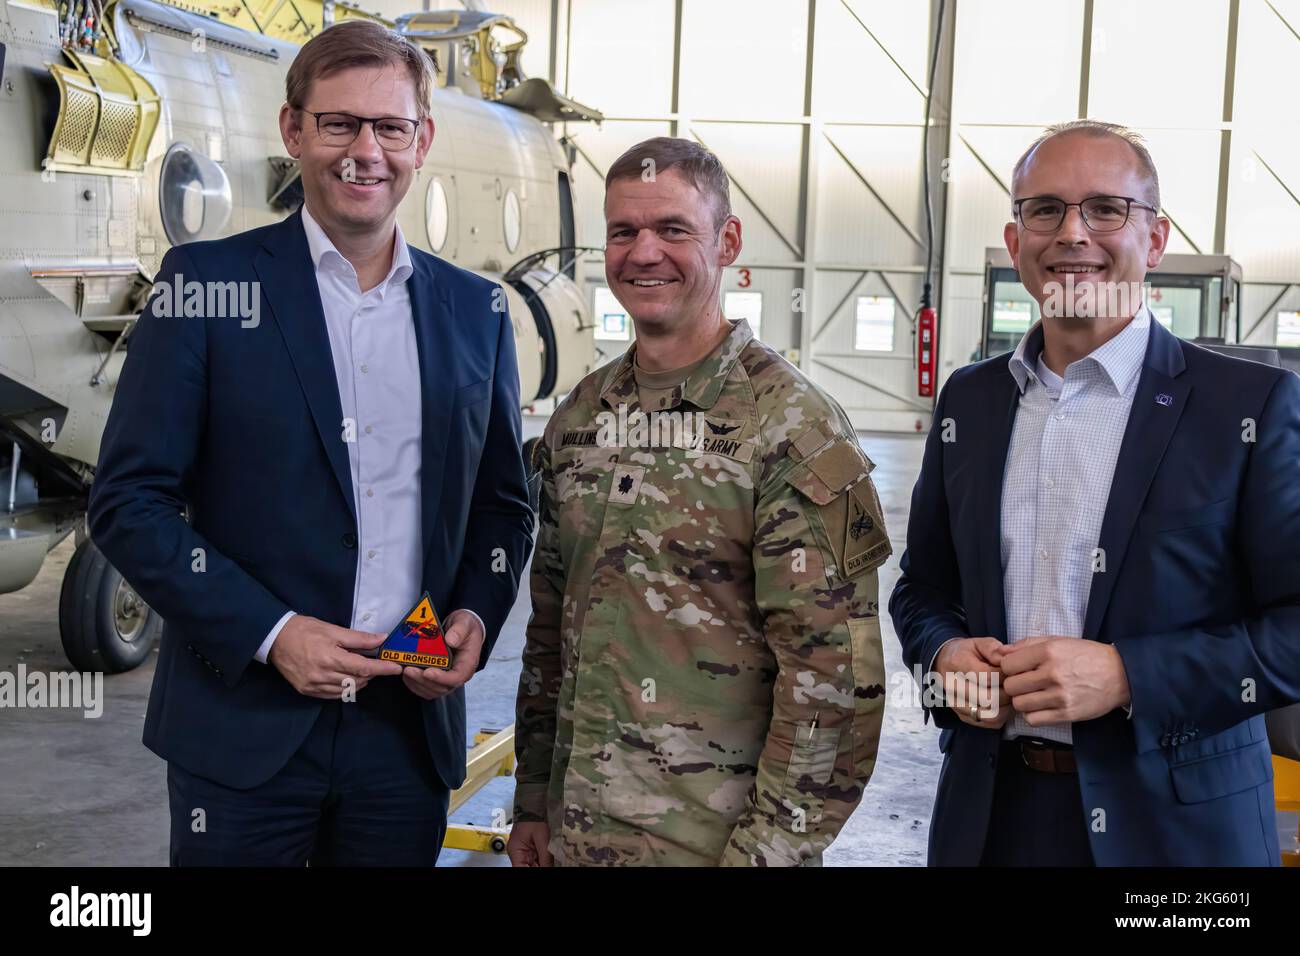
point(436, 214)
point(194, 196)
point(511, 220)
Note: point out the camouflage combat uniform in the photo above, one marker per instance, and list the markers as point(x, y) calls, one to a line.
point(703, 681)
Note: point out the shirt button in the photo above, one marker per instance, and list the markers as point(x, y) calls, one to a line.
point(369, 429)
point(1042, 553)
point(365, 617)
point(370, 492)
point(1060, 416)
point(370, 553)
point(364, 368)
point(1047, 482)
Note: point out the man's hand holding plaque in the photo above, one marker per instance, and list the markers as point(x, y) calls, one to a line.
point(464, 637)
point(318, 658)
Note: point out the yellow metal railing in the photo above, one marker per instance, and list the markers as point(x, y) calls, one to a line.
point(493, 755)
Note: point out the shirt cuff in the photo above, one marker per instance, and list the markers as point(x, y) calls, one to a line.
point(940, 651)
point(481, 625)
point(264, 652)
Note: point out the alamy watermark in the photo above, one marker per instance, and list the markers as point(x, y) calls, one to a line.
point(1092, 300)
point(971, 690)
point(179, 299)
point(61, 689)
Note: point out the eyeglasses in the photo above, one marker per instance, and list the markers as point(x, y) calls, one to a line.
point(1100, 213)
point(342, 129)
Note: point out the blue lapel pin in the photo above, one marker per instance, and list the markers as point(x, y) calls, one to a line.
point(1164, 399)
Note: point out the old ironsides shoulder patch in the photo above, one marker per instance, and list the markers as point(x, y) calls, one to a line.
point(866, 543)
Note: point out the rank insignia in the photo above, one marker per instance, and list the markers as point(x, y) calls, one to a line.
point(418, 640)
point(626, 484)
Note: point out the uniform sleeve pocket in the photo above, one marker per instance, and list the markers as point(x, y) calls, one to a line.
point(848, 517)
point(811, 763)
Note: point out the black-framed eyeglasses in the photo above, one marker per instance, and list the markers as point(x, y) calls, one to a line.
point(342, 129)
point(1100, 213)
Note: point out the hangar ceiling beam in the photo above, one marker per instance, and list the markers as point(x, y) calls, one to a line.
point(1225, 135)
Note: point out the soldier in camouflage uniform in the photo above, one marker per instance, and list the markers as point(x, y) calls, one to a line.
point(703, 680)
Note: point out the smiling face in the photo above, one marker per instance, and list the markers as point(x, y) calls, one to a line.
point(356, 188)
point(664, 253)
point(1072, 167)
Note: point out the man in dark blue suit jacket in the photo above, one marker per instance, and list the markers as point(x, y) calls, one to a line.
point(352, 443)
point(1188, 605)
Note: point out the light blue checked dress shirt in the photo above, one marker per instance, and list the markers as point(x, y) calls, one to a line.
point(1066, 440)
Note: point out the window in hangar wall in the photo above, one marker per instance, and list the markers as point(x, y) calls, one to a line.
point(747, 306)
point(1288, 328)
point(873, 329)
point(612, 322)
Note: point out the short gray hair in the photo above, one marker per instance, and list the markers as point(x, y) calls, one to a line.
point(1095, 129)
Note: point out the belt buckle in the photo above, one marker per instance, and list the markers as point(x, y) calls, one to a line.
point(1040, 747)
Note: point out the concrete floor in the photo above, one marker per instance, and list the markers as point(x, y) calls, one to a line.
point(85, 792)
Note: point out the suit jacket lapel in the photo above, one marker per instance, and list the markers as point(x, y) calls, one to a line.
point(288, 279)
point(1002, 412)
point(1157, 406)
point(432, 312)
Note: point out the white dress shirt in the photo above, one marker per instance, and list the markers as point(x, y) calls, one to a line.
point(1060, 464)
point(372, 338)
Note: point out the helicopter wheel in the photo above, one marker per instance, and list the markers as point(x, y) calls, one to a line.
point(104, 624)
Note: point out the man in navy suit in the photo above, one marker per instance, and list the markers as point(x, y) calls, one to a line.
point(350, 445)
point(1102, 574)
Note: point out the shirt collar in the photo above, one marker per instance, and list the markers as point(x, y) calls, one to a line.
point(325, 255)
point(703, 385)
point(1120, 357)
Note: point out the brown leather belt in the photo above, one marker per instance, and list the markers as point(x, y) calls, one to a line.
point(1046, 756)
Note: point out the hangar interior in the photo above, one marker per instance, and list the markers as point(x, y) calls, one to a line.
point(817, 109)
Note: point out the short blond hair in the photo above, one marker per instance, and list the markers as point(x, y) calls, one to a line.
point(358, 43)
point(1097, 128)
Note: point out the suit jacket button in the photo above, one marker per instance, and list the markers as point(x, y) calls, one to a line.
point(349, 540)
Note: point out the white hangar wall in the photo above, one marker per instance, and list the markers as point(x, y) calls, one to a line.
point(817, 109)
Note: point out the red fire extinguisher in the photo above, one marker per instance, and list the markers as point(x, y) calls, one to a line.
point(926, 358)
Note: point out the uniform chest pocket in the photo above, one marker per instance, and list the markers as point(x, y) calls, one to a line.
point(578, 471)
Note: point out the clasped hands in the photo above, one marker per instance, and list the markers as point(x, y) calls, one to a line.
point(322, 660)
point(1046, 680)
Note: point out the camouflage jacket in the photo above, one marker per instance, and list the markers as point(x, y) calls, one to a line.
point(703, 679)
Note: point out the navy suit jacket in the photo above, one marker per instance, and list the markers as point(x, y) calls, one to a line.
point(243, 427)
point(1200, 595)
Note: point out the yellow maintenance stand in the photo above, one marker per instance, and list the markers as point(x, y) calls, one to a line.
point(493, 755)
point(1286, 789)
